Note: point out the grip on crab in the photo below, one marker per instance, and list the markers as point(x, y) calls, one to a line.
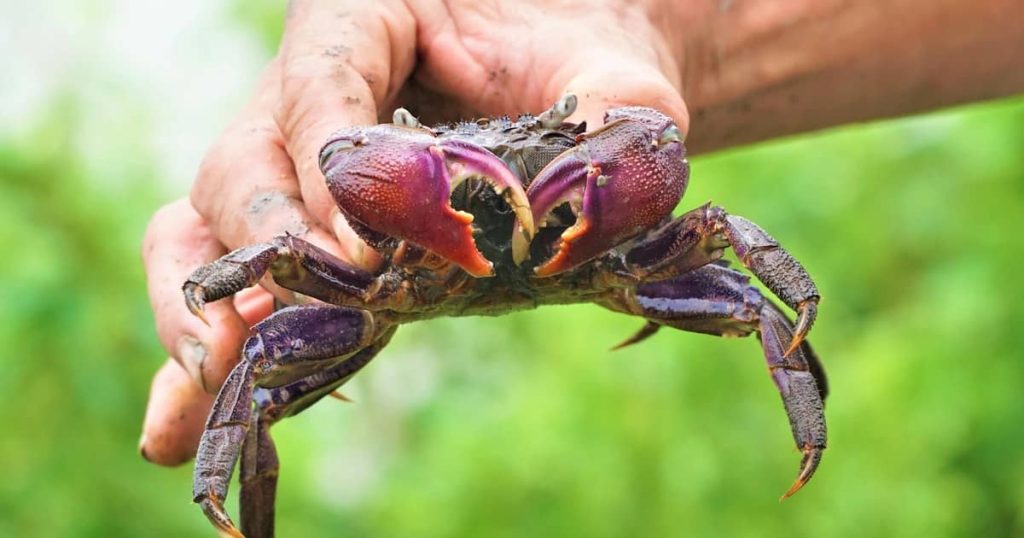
point(398, 181)
point(807, 312)
point(235, 271)
point(620, 180)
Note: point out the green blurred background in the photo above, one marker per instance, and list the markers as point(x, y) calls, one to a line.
point(524, 425)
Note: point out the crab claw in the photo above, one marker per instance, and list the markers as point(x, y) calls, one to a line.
point(397, 180)
point(619, 180)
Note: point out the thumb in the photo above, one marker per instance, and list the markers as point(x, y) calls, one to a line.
point(603, 83)
point(338, 65)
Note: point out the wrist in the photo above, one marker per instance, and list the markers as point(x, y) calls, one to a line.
point(760, 69)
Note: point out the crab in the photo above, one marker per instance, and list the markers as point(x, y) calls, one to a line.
point(485, 218)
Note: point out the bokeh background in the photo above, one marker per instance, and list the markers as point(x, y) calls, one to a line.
point(524, 425)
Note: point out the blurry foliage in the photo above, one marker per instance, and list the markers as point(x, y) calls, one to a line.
point(526, 425)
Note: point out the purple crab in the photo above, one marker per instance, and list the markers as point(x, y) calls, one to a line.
point(485, 218)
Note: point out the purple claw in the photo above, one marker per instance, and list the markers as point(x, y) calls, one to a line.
point(397, 181)
point(620, 180)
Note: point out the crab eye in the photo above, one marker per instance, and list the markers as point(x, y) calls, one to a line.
point(670, 135)
point(566, 105)
point(338, 145)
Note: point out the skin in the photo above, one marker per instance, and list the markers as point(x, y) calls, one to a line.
point(728, 72)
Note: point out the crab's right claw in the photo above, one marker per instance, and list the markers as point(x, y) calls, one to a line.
point(397, 180)
point(619, 180)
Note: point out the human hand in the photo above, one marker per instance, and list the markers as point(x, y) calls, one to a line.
point(345, 63)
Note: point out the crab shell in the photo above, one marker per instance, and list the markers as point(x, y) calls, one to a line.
point(619, 181)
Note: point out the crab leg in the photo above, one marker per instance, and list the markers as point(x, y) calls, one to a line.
point(304, 351)
point(259, 458)
point(294, 264)
point(778, 269)
point(717, 300)
point(258, 476)
point(699, 237)
point(222, 439)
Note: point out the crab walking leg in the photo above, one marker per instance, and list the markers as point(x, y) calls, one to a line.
point(286, 349)
point(225, 433)
point(699, 237)
point(778, 269)
point(293, 263)
point(258, 477)
point(717, 300)
point(259, 467)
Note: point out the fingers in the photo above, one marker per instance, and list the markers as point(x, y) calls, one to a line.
point(608, 84)
point(176, 242)
point(247, 189)
point(175, 416)
point(339, 63)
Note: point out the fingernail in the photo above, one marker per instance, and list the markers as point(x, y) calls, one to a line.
point(192, 355)
point(142, 448)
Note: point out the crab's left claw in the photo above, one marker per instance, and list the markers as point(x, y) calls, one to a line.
point(620, 180)
point(397, 180)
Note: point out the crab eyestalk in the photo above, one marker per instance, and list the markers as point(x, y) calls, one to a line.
point(559, 112)
point(620, 180)
point(397, 180)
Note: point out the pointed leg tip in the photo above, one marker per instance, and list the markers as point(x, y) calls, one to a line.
point(214, 511)
point(644, 333)
point(202, 317)
point(230, 533)
point(807, 313)
point(794, 345)
point(195, 302)
point(811, 459)
point(339, 396)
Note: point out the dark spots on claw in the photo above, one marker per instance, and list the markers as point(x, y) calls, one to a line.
point(352, 100)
